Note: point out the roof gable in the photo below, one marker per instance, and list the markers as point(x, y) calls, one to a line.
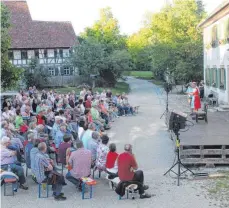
point(28, 33)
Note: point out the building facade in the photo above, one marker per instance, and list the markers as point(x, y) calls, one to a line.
point(50, 43)
point(216, 53)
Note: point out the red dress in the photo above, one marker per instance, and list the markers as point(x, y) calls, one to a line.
point(197, 103)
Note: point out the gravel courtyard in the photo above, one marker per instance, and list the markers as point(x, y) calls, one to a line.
point(155, 154)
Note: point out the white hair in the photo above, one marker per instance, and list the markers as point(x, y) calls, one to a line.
point(5, 140)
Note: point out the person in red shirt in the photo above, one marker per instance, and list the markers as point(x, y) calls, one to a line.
point(40, 118)
point(111, 162)
point(88, 102)
point(127, 170)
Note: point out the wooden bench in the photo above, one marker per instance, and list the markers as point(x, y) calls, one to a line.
point(7, 182)
point(86, 181)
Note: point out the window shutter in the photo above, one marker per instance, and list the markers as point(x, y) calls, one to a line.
point(71, 70)
point(210, 76)
point(217, 77)
point(225, 73)
point(56, 71)
point(62, 71)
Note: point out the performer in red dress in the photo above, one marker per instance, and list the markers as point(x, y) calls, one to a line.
point(196, 97)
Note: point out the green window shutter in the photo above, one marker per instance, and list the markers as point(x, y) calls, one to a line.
point(217, 77)
point(210, 76)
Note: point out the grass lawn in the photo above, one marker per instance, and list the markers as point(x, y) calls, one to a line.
point(139, 74)
point(158, 82)
point(119, 88)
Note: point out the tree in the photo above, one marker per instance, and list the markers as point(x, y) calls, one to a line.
point(36, 75)
point(102, 50)
point(176, 41)
point(10, 74)
point(90, 58)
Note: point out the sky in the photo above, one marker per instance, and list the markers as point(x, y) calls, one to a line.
point(83, 13)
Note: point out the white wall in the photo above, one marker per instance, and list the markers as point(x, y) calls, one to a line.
point(217, 57)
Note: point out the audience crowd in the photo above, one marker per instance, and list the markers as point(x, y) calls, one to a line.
point(46, 129)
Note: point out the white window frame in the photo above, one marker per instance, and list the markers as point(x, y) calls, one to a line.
point(51, 71)
point(67, 71)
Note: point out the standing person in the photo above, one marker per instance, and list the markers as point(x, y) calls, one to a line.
point(80, 165)
point(44, 173)
point(189, 91)
point(196, 103)
point(128, 170)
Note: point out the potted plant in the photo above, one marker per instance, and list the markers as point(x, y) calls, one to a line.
point(213, 84)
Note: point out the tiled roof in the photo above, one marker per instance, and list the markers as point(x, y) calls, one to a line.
point(28, 33)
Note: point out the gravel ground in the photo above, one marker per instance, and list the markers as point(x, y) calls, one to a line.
point(155, 154)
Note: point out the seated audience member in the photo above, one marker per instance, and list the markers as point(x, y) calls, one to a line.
point(96, 116)
point(41, 117)
point(9, 162)
point(33, 153)
point(63, 148)
point(102, 152)
point(56, 126)
point(80, 165)
point(88, 135)
point(127, 170)
point(88, 116)
point(60, 135)
point(19, 120)
point(111, 163)
point(44, 173)
point(92, 145)
point(81, 106)
point(81, 129)
point(109, 93)
point(88, 102)
point(28, 149)
point(104, 112)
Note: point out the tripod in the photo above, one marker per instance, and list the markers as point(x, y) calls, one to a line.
point(167, 105)
point(178, 163)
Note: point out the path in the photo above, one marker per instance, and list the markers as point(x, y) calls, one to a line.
point(154, 152)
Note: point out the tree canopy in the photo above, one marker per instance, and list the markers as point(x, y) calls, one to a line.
point(173, 41)
point(10, 74)
point(102, 50)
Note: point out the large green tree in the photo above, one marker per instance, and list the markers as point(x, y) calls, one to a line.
point(103, 50)
point(90, 57)
point(10, 74)
point(176, 40)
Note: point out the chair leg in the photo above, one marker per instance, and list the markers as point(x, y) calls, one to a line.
point(83, 190)
point(12, 189)
point(99, 173)
point(26, 171)
point(39, 190)
point(4, 189)
point(47, 190)
point(91, 191)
